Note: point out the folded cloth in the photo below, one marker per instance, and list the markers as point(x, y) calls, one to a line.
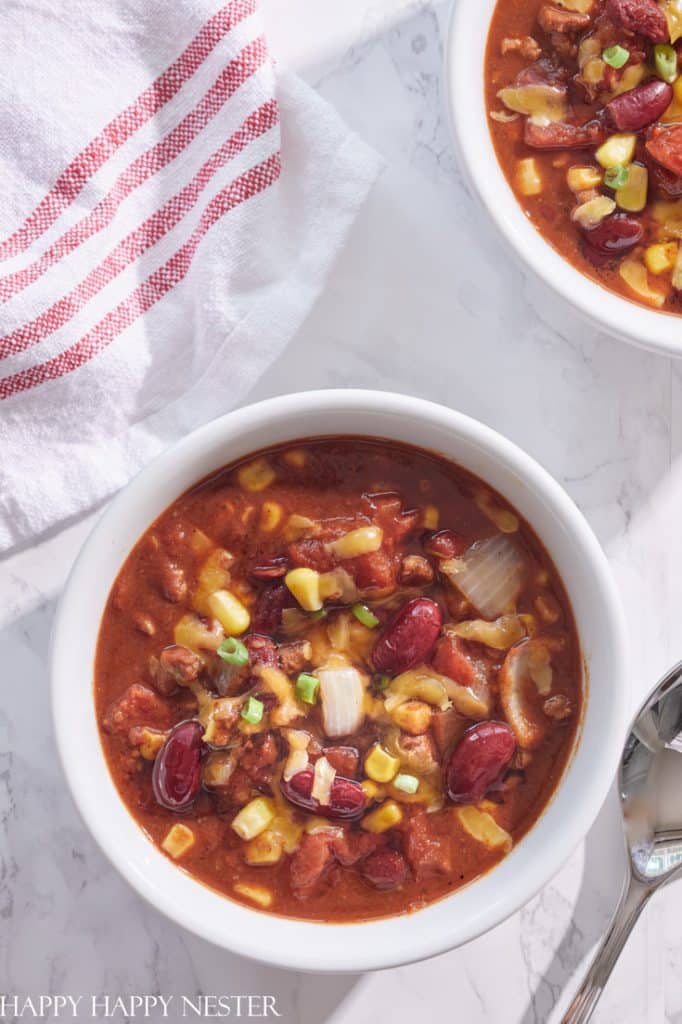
point(172, 203)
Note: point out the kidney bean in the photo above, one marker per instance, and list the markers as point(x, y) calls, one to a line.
point(385, 869)
point(615, 236)
point(408, 637)
point(176, 774)
point(445, 544)
point(643, 17)
point(478, 760)
point(347, 797)
point(664, 144)
point(639, 107)
point(270, 603)
point(271, 568)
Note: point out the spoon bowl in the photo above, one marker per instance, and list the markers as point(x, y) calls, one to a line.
point(650, 788)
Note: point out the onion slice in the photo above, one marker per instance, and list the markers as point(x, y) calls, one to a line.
point(489, 574)
point(519, 691)
point(342, 693)
point(323, 780)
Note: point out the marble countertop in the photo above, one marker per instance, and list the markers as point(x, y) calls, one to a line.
point(410, 308)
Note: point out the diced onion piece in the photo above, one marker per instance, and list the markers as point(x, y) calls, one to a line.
point(296, 762)
point(518, 691)
point(502, 117)
point(536, 100)
point(362, 541)
point(618, 150)
point(178, 841)
point(256, 893)
point(501, 634)
point(489, 575)
point(580, 178)
point(323, 780)
point(342, 693)
point(635, 276)
point(315, 825)
point(483, 827)
point(632, 195)
point(588, 215)
point(406, 783)
point(298, 526)
point(528, 177)
point(669, 216)
point(338, 585)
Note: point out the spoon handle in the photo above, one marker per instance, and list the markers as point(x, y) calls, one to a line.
point(630, 905)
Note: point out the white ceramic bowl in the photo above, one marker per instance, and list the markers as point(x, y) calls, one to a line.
point(464, 70)
point(472, 910)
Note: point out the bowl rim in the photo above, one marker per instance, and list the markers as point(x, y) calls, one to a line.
point(464, 63)
point(294, 943)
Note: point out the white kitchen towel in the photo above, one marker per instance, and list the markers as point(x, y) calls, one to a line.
point(171, 205)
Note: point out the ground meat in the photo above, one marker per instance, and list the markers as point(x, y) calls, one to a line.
point(172, 581)
point(525, 46)
point(257, 757)
point(177, 666)
point(344, 760)
point(553, 19)
point(137, 706)
point(416, 571)
point(294, 657)
point(374, 571)
point(427, 853)
point(312, 860)
point(238, 791)
point(312, 554)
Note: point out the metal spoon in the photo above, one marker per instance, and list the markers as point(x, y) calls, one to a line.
point(651, 800)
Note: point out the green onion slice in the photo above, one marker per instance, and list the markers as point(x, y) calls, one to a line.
point(307, 687)
point(365, 615)
point(252, 711)
point(616, 177)
point(665, 60)
point(234, 652)
point(615, 56)
point(382, 682)
point(321, 613)
point(406, 783)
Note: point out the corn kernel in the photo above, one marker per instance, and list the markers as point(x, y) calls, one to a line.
point(431, 517)
point(358, 542)
point(254, 818)
point(191, 632)
point(413, 717)
point(579, 178)
point(371, 789)
point(384, 817)
point(257, 893)
point(380, 766)
point(661, 257)
point(528, 179)
point(304, 584)
point(618, 149)
point(256, 475)
point(632, 195)
point(214, 574)
point(179, 840)
point(266, 848)
point(295, 457)
point(298, 526)
point(230, 612)
point(270, 516)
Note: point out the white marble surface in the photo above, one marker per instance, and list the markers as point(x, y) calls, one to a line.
point(423, 301)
